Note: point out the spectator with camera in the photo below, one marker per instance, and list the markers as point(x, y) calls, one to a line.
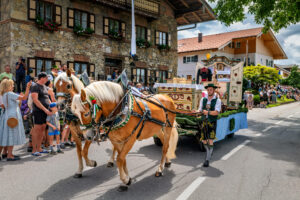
point(20, 74)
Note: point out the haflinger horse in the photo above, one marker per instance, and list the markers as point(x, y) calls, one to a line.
point(144, 120)
point(67, 85)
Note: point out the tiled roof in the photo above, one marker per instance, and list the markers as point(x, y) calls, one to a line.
point(214, 41)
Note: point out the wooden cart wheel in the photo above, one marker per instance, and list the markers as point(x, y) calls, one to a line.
point(230, 135)
point(157, 141)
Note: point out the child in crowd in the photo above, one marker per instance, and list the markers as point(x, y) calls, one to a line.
point(26, 114)
point(54, 128)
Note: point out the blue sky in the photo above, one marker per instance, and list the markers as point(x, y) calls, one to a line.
point(289, 38)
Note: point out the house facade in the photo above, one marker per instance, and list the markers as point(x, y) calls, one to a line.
point(95, 35)
point(251, 46)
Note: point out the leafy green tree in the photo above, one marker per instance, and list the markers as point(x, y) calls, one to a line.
point(293, 79)
point(275, 14)
point(261, 75)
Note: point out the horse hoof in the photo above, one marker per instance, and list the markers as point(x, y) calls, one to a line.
point(77, 176)
point(122, 188)
point(129, 182)
point(110, 164)
point(95, 164)
point(168, 165)
point(158, 174)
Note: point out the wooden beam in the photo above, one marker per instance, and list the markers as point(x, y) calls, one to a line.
point(184, 3)
point(181, 12)
point(186, 20)
point(171, 5)
point(197, 17)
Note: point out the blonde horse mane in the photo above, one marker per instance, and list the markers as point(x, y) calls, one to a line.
point(64, 77)
point(103, 91)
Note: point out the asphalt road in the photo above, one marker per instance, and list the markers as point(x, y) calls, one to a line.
point(262, 162)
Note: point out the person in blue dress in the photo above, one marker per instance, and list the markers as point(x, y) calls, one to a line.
point(9, 137)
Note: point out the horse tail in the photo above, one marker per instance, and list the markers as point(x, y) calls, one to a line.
point(173, 142)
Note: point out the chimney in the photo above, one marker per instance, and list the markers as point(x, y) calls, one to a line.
point(199, 37)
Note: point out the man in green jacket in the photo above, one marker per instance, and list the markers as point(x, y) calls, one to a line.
point(7, 73)
point(210, 107)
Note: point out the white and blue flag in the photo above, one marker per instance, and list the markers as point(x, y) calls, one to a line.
point(133, 35)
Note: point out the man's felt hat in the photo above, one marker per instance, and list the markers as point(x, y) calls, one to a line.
point(211, 85)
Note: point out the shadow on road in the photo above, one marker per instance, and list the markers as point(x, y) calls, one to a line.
point(70, 187)
point(155, 188)
point(188, 152)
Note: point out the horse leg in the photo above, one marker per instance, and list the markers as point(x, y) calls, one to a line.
point(172, 145)
point(85, 152)
point(79, 151)
point(121, 162)
point(112, 158)
point(167, 131)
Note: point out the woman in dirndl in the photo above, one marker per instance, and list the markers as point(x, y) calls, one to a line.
point(11, 136)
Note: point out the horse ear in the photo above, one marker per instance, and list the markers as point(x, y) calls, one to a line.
point(83, 95)
point(69, 72)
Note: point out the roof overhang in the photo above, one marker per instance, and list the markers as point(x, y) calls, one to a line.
point(272, 43)
point(191, 11)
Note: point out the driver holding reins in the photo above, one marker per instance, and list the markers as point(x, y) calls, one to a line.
point(210, 107)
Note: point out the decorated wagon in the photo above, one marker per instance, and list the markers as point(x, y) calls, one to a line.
point(186, 94)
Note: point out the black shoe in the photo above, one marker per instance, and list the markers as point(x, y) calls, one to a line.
point(59, 151)
point(29, 149)
point(13, 159)
point(4, 156)
point(67, 144)
point(206, 163)
point(72, 144)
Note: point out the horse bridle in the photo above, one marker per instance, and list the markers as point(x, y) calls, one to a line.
point(68, 99)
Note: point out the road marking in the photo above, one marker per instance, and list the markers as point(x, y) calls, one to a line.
point(258, 134)
point(191, 188)
point(236, 149)
point(266, 129)
point(278, 122)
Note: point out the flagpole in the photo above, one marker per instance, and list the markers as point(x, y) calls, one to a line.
point(133, 35)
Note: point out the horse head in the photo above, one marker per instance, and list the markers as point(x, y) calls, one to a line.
point(83, 108)
point(65, 88)
point(96, 101)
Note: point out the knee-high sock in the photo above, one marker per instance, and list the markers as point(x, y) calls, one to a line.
point(211, 148)
point(207, 152)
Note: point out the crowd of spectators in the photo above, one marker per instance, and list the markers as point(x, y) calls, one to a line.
point(35, 117)
point(270, 95)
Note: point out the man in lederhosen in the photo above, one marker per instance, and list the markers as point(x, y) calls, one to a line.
point(210, 107)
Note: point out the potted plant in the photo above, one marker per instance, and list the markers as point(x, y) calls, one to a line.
point(47, 25)
point(80, 31)
point(117, 35)
point(141, 43)
point(163, 47)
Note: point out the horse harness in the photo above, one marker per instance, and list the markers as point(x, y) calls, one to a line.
point(112, 119)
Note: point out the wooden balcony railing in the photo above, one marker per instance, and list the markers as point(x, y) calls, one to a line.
point(144, 7)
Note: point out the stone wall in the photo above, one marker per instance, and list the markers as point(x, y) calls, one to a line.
point(5, 10)
point(27, 39)
point(5, 45)
point(4, 34)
